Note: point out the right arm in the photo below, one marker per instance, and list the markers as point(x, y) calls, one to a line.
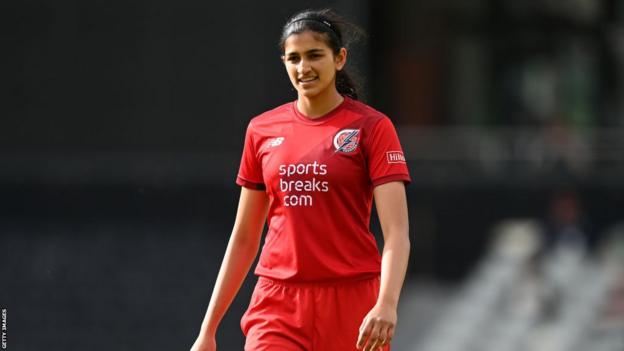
point(239, 255)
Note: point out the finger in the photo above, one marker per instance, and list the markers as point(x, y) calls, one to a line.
point(373, 339)
point(365, 330)
point(371, 345)
point(383, 335)
point(390, 333)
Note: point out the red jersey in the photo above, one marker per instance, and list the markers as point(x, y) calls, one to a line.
point(319, 175)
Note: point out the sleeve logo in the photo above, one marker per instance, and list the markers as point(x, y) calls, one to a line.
point(346, 140)
point(395, 157)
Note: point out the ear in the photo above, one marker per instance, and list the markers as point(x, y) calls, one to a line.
point(341, 59)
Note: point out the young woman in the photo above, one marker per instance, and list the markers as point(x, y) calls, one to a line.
point(311, 168)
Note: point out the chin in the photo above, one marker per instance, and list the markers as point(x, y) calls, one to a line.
point(308, 93)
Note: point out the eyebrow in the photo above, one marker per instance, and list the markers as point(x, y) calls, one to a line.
point(311, 51)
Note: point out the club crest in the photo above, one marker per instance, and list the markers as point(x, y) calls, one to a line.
point(346, 140)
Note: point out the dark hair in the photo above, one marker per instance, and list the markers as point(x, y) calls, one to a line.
point(335, 31)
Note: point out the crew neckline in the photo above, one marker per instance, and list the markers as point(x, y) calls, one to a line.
point(318, 120)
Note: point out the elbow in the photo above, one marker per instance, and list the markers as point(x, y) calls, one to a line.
point(246, 238)
point(398, 238)
point(407, 244)
point(248, 242)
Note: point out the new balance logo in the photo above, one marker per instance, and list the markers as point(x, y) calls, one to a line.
point(274, 142)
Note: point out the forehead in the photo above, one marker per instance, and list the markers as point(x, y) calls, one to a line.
point(304, 41)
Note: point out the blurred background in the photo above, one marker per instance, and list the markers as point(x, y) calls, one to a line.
point(122, 127)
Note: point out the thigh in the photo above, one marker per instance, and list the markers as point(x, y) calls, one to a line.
point(277, 319)
point(259, 339)
point(340, 312)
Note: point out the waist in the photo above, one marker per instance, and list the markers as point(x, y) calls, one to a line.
point(311, 283)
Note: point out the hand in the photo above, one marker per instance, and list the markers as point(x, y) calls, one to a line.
point(377, 328)
point(205, 343)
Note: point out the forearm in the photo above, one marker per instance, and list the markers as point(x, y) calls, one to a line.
point(393, 267)
point(237, 261)
point(378, 326)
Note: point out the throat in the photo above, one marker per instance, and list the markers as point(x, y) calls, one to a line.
point(318, 106)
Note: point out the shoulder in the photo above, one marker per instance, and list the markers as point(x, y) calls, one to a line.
point(369, 116)
point(277, 114)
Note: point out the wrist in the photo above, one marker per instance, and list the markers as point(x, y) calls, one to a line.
point(208, 331)
point(388, 302)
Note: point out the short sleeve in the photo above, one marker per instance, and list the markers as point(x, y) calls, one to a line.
point(385, 158)
point(250, 170)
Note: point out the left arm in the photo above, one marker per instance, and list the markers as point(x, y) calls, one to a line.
point(379, 324)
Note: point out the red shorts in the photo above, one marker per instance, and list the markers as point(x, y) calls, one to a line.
point(307, 316)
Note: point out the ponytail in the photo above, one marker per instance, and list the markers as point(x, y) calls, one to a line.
point(345, 85)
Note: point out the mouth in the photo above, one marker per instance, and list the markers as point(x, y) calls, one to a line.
point(307, 80)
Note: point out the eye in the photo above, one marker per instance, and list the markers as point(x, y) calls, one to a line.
point(293, 59)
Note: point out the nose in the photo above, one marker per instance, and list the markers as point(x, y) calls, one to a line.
point(303, 66)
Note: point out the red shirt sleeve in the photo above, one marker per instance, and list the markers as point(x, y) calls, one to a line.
point(250, 170)
point(385, 158)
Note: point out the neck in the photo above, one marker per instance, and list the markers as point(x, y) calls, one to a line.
point(319, 105)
